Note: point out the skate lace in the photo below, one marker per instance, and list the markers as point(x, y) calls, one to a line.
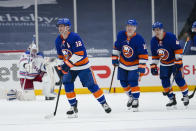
point(130, 100)
point(186, 99)
point(171, 101)
point(105, 106)
point(135, 102)
point(71, 109)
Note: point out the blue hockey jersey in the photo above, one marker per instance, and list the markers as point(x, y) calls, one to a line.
point(167, 50)
point(72, 49)
point(131, 51)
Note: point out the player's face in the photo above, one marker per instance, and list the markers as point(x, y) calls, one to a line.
point(130, 30)
point(62, 28)
point(158, 32)
point(34, 51)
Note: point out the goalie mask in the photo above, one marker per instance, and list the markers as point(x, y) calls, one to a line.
point(33, 48)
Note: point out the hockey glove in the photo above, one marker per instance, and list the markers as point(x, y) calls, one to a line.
point(115, 60)
point(154, 69)
point(141, 70)
point(65, 68)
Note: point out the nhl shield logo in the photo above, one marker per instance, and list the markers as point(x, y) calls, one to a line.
point(127, 51)
point(66, 53)
point(163, 53)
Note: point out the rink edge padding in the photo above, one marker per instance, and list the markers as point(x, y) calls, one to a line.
point(119, 89)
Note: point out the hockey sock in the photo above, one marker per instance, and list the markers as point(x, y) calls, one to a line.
point(128, 91)
point(135, 92)
point(184, 90)
point(71, 96)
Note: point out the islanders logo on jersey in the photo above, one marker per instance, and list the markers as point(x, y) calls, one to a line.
point(127, 51)
point(66, 53)
point(163, 53)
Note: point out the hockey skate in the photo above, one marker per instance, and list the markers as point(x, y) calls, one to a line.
point(50, 96)
point(106, 108)
point(172, 103)
point(186, 100)
point(72, 112)
point(135, 105)
point(129, 103)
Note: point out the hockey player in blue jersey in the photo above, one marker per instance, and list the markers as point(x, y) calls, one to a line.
point(74, 62)
point(166, 49)
point(193, 37)
point(130, 55)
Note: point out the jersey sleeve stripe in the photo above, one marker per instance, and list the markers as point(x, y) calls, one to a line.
point(155, 57)
point(69, 64)
point(75, 58)
point(79, 53)
point(179, 51)
point(115, 52)
point(143, 56)
point(82, 62)
point(60, 56)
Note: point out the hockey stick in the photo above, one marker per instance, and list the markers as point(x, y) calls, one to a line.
point(57, 101)
point(112, 79)
point(174, 75)
point(190, 96)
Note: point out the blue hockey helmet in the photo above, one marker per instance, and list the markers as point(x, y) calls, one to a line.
point(157, 25)
point(194, 25)
point(132, 22)
point(64, 21)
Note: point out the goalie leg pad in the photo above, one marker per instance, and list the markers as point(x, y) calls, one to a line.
point(48, 89)
point(26, 95)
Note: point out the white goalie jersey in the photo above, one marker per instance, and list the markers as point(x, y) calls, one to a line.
point(31, 65)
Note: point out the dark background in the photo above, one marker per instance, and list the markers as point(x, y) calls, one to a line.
point(94, 22)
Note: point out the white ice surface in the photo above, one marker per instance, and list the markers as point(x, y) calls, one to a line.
point(152, 115)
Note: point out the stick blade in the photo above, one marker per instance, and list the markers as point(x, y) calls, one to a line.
point(49, 116)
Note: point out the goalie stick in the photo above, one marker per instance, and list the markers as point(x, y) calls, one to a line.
point(57, 101)
point(174, 75)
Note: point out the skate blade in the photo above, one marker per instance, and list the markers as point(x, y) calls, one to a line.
point(135, 109)
point(72, 116)
point(186, 107)
point(172, 107)
point(129, 108)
